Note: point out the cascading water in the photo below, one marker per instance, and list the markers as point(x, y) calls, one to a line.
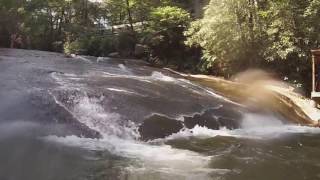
point(99, 118)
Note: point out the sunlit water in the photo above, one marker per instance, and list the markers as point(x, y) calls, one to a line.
point(50, 104)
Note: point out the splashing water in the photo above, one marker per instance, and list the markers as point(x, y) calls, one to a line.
point(254, 126)
point(125, 69)
point(92, 114)
point(120, 139)
point(68, 96)
point(159, 76)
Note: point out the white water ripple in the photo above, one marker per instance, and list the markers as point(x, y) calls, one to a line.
point(254, 126)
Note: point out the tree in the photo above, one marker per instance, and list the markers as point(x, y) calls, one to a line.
point(276, 35)
point(230, 35)
point(166, 38)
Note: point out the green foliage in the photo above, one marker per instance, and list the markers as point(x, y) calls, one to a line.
point(227, 36)
point(94, 45)
point(85, 27)
point(125, 43)
point(113, 11)
point(240, 34)
point(72, 47)
point(166, 39)
point(169, 17)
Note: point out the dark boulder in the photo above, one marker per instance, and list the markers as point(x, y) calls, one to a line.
point(215, 119)
point(159, 127)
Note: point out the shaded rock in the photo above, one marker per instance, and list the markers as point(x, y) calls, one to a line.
point(215, 119)
point(159, 127)
point(139, 50)
point(204, 120)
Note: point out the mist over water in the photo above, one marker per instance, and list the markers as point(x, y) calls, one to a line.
point(88, 118)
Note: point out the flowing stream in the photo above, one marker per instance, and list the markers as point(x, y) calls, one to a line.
point(86, 118)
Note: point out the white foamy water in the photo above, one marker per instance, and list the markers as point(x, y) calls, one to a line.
point(66, 80)
point(120, 139)
point(120, 136)
point(159, 76)
point(120, 90)
point(92, 114)
point(163, 161)
point(124, 69)
point(149, 158)
point(81, 58)
point(254, 126)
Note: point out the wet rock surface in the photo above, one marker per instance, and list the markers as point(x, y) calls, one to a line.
point(215, 119)
point(52, 108)
point(92, 96)
point(159, 127)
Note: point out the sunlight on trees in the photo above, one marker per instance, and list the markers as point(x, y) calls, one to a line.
point(239, 34)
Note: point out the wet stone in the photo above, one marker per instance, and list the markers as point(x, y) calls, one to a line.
point(215, 119)
point(159, 127)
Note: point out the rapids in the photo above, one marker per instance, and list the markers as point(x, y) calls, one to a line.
point(87, 118)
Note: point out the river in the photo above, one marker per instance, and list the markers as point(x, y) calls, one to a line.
point(87, 118)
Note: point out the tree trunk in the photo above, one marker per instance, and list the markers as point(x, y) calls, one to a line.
point(129, 15)
point(251, 24)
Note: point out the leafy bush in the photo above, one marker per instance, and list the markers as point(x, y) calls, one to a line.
point(164, 18)
point(90, 45)
point(166, 39)
point(107, 45)
point(125, 43)
point(72, 47)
